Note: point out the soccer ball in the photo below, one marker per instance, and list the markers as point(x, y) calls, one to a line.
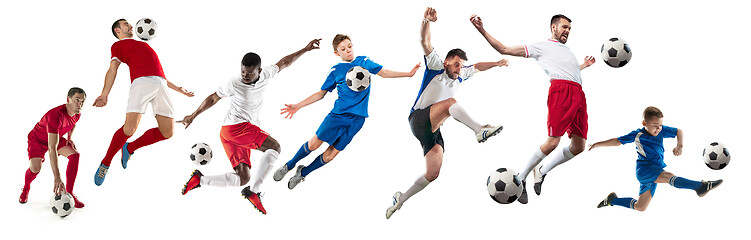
point(146, 29)
point(504, 186)
point(200, 154)
point(358, 78)
point(716, 156)
point(616, 52)
point(62, 205)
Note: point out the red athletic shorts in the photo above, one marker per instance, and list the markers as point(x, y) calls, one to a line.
point(239, 139)
point(567, 109)
point(37, 149)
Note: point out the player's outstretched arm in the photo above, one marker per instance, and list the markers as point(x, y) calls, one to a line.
point(679, 145)
point(607, 143)
point(109, 80)
point(289, 59)
point(385, 73)
point(179, 89)
point(205, 105)
point(291, 109)
point(52, 140)
point(482, 66)
point(430, 16)
point(498, 46)
point(588, 61)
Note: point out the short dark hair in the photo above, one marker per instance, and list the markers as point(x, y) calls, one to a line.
point(75, 90)
point(651, 112)
point(251, 59)
point(338, 39)
point(116, 24)
point(557, 18)
point(457, 52)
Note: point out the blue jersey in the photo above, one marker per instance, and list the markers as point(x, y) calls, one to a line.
point(649, 148)
point(350, 101)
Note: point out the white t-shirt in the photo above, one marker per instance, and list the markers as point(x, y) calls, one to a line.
point(436, 84)
point(556, 59)
point(245, 99)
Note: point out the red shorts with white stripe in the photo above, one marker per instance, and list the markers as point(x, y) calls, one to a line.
point(239, 139)
point(567, 109)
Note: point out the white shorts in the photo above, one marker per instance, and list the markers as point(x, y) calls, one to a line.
point(150, 89)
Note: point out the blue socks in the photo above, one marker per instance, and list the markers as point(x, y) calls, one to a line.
point(314, 165)
point(624, 202)
point(683, 183)
point(302, 153)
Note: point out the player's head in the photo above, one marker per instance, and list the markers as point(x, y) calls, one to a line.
point(122, 29)
point(76, 97)
point(251, 68)
point(343, 47)
point(560, 26)
point(652, 120)
point(454, 62)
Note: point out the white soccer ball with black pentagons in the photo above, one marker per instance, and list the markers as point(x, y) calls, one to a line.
point(616, 52)
point(716, 156)
point(358, 78)
point(200, 154)
point(62, 205)
point(504, 186)
point(145, 29)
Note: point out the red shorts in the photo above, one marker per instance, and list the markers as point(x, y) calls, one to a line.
point(239, 139)
point(567, 109)
point(37, 149)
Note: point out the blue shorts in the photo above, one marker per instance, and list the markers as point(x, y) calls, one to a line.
point(647, 174)
point(339, 129)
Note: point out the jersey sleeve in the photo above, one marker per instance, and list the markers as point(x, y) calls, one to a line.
point(225, 90)
point(433, 61)
point(467, 72)
point(669, 132)
point(270, 71)
point(115, 51)
point(533, 50)
point(629, 138)
point(330, 83)
point(53, 123)
point(371, 66)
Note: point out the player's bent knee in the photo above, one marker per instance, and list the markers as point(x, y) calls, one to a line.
point(640, 207)
point(432, 175)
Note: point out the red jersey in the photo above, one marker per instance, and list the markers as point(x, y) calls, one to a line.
point(141, 59)
point(56, 121)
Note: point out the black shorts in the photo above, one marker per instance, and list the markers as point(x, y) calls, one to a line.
point(419, 122)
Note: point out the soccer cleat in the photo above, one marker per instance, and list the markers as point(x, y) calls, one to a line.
point(523, 198)
point(706, 186)
point(608, 201)
point(487, 132)
point(254, 199)
point(539, 177)
point(78, 204)
point(194, 181)
point(126, 156)
point(100, 174)
point(294, 180)
point(24, 196)
point(395, 205)
point(279, 174)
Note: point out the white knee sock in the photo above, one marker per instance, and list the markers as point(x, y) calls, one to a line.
point(559, 158)
point(461, 115)
point(223, 180)
point(264, 168)
point(533, 161)
point(419, 185)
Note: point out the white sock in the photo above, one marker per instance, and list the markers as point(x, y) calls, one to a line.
point(557, 159)
point(265, 166)
point(224, 180)
point(461, 115)
point(419, 185)
point(533, 161)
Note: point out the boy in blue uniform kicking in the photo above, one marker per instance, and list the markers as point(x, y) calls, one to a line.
point(347, 116)
point(650, 164)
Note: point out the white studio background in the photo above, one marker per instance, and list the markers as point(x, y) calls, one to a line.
point(688, 60)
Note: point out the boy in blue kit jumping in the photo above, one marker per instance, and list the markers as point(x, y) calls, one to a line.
point(650, 164)
point(345, 119)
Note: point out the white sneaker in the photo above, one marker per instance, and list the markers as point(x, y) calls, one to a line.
point(487, 132)
point(294, 180)
point(395, 205)
point(539, 177)
point(279, 174)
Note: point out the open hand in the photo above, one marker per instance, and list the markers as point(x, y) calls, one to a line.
point(290, 110)
point(588, 61)
point(185, 92)
point(414, 69)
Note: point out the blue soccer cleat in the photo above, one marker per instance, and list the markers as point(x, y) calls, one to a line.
point(126, 156)
point(100, 174)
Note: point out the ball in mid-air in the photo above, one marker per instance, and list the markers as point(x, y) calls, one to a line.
point(145, 29)
point(200, 153)
point(716, 156)
point(616, 52)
